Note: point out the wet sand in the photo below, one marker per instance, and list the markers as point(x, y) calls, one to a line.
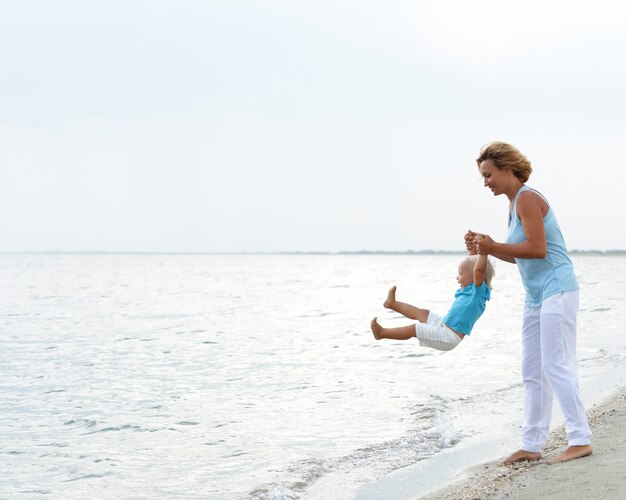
point(601, 475)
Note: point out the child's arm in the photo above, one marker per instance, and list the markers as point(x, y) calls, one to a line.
point(480, 266)
point(470, 244)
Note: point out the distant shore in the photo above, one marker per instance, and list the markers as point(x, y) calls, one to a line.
point(608, 253)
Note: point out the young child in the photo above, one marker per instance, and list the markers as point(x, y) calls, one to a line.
point(444, 334)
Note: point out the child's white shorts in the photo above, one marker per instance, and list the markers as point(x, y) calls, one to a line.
point(435, 334)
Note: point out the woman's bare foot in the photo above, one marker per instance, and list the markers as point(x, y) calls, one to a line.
point(376, 329)
point(391, 297)
point(572, 452)
point(521, 456)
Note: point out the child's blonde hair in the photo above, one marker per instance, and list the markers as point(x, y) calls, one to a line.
point(490, 272)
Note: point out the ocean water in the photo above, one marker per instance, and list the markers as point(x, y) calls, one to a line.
point(254, 376)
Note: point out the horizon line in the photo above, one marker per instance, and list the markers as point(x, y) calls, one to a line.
point(282, 252)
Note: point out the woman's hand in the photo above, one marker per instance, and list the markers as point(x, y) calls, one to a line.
point(484, 244)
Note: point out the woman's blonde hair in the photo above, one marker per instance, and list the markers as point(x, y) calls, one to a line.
point(504, 155)
point(490, 271)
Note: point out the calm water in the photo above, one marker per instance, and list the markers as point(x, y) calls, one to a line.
point(253, 376)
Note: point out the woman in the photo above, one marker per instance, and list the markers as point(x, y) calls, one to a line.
point(535, 243)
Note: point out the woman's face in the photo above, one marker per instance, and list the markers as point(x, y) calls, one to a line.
point(494, 178)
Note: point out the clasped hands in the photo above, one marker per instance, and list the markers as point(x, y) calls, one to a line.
point(481, 243)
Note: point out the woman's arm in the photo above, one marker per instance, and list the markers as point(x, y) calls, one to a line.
point(505, 258)
point(530, 209)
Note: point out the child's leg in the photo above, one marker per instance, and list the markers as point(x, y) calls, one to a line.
point(407, 310)
point(401, 333)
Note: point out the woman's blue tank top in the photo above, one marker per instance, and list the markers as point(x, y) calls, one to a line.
point(550, 275)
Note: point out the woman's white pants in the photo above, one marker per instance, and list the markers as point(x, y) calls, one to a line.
point(549, 369)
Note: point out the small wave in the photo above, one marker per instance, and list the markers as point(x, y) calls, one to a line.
point(432, 433)
point(274, 492)
point(55, 445)
point(307, 471)
point(81, 423)
point(116, 429)
point(214, 443)
point(87, 476)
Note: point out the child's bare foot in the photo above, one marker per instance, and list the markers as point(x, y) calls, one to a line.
point(521, 456)
point(376, 329)
point(391, 298)
point(571, 453)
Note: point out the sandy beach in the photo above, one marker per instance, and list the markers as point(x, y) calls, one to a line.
point(601, 475)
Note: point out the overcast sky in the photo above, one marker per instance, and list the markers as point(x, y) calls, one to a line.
point(326, 125)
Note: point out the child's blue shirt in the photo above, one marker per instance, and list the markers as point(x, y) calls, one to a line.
point(469, 304)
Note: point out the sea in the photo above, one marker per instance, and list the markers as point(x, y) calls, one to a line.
point(257, 376)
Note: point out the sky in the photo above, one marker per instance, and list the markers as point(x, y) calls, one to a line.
point(289, 125)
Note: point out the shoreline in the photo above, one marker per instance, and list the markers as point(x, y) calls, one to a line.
point(600, 475)
point(473, 470)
